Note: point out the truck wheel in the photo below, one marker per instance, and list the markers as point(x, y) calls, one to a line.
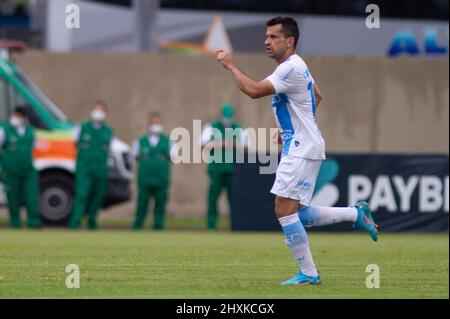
point(57, 191)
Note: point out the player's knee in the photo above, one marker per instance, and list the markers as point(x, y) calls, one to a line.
point(281, 211)
point(284, 207)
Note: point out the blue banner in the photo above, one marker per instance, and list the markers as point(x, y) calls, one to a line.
point(406, 192)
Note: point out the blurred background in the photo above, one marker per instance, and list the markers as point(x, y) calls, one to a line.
point(384, 117)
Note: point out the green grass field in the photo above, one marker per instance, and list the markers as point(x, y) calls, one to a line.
point(198, 264)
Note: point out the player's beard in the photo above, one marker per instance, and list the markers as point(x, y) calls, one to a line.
point(275, 54)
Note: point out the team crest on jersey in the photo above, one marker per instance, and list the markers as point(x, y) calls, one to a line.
point(297, 143)
point(275, 99)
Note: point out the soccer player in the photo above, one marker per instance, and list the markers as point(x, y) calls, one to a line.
point(295, 97)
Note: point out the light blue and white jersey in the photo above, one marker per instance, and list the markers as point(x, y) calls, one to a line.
point(295, 109)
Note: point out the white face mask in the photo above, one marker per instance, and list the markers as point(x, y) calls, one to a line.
point(98, 115)
point(155, 128)
point(15, 121)
point(227, 122)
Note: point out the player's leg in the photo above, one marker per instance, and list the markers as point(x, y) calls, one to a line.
point(320, 216)
point(297, 241)
point(360, 215)
point(294, 182)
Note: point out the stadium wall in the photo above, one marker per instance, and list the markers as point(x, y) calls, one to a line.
point(371, 105)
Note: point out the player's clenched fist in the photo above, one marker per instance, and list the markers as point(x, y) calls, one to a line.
point(225, 58)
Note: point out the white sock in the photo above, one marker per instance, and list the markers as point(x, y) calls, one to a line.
point(297, 241)
point(320, 216)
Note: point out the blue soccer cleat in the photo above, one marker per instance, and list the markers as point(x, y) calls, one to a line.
point(301, 279)
point(365, 220)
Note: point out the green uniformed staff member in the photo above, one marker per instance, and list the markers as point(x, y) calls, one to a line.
point(220, 168)
point(152, 153)
point(93, 139)
point(21, 179)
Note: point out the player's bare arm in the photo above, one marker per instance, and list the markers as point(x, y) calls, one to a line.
point(246, 84)
point(318, 95)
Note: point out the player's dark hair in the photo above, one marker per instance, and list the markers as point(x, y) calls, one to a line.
point(289, 27)
point(22, 110)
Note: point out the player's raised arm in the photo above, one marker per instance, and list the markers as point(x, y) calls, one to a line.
point(246, 84)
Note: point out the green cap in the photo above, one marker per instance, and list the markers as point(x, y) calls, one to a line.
point(227, 111)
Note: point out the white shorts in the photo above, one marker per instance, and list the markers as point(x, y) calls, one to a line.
point(296, 178)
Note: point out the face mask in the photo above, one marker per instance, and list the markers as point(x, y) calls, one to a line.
point(98, 115)
point(15, 121)
point(155, 128)
point(227, 122)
